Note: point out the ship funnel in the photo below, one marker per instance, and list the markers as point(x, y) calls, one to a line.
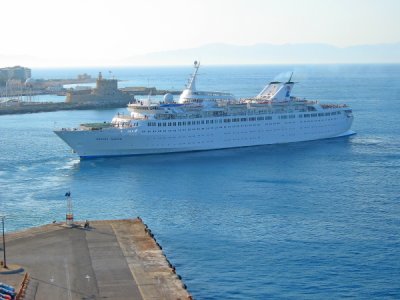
point(277, 91)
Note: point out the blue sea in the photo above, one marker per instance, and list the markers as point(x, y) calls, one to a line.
point(311, 220)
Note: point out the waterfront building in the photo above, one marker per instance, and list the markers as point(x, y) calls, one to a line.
point(14, 73)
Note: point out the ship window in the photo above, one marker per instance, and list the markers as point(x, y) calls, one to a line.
point(306, 115)
point(260, 118)
point(300, 116)
point(184, 123)
point(320, 115)
point(327, 114)
point(339, 112)
point(202, 122)
point(334, 113)
point(268, 118)
point(207, 121)
point(243, 119)
point(292, 116)
point(252, 119)
point(159, 124)
point(283, 117)
point(169, 124)
point(313, 115)
point(174, 124)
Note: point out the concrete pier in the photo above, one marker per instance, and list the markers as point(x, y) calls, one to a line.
point(116, 259)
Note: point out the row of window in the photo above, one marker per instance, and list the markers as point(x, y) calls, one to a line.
point(288, 117)
point(321, 114)
point(229, 120)
point(235, 132)
point(202, 122)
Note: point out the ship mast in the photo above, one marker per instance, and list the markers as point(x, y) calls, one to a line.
point(290, 78)
point(192, 81)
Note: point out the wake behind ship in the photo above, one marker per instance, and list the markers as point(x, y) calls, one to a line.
point(210, 120)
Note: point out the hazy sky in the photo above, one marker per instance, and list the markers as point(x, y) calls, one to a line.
point(100, 32)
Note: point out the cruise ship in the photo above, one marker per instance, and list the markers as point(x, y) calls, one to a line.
point(202, 120)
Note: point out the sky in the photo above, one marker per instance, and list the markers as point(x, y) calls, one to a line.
point(104, 32)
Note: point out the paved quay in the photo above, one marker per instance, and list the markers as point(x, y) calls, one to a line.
point(116, 259)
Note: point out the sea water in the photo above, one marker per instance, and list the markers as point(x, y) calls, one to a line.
point(310, 220)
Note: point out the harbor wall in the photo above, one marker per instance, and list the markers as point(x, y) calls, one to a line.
point(31, 107)
point(121, 260)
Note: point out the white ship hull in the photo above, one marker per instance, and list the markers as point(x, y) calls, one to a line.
point(211, 120)
point(215, 133)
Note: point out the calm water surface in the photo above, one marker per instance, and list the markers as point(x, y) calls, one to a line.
point(303, 221)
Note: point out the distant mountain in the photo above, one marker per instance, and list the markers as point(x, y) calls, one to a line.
point(224, 54)
point(272, 54)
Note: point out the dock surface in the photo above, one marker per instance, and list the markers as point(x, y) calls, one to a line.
point(116, 259)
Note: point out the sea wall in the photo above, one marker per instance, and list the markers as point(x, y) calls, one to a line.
point(25, 108)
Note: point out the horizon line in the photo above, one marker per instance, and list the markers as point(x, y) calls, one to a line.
point(213, 65)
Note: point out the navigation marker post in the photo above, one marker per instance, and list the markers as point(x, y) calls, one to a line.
point(69, 217)
point(4, 244)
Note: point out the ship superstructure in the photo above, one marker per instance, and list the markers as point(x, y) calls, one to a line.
point(210, 120)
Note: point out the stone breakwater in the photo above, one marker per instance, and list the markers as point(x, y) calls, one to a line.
point(30, 107)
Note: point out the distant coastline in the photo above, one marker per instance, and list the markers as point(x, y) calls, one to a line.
point(105, 94)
